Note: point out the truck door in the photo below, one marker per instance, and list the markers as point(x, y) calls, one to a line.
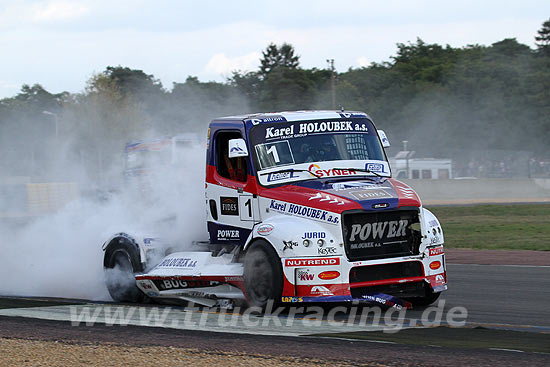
point(232, 207)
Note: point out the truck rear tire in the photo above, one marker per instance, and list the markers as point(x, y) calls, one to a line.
point(121, 263)
point(263, 275)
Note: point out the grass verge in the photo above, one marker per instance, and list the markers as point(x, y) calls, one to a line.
point(496, 227)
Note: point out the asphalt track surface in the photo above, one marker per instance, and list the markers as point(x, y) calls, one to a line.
point(496, 296)
point(501, 294)
point(510, 297)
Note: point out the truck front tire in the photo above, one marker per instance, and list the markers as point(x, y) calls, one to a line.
point(263, 275)
point(121, 262)
point(427, 300)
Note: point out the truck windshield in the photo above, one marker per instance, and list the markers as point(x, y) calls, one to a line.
point(294, 143)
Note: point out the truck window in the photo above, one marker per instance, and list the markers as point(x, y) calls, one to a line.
point(231, 168)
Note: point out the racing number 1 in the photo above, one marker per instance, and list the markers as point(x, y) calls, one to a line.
point(246, 209)
point(273, 150)
point(248, 203)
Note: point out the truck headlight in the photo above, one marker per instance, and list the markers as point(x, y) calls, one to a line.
point(306, 243)
point(320, 242)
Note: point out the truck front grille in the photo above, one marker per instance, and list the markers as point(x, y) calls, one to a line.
point(383, 234)
point(383, 278)
point(406, 269)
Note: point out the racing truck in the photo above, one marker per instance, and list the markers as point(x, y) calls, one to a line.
point(300, 207)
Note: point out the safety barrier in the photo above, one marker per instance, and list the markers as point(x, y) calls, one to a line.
point(32, 199)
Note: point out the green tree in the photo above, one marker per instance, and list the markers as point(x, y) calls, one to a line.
point(424, 62)
point(543, 38)
point(132, 81)
point(278, 56)
point(142, 88)
point(287, 89)
point(247, 84)
point(509, 47)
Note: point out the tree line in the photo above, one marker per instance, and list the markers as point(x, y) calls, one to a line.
point(446, 101)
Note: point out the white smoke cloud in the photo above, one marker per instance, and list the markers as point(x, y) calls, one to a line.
point(59, 255)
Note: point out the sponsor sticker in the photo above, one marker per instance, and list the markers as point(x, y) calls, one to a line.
point(229, 205)
point(304, 211)
point(378, 230)
point(436, 251)
point(329, 275)
point(265, 229)
point(266, 119)
point(374, 167)
point(305, 276)
point(341, 186)
point(279, 176)
point(289, 245)
point(313, 127)
point(275, 132)
point(326, 250)
point(314, 235)
point(312, 262)
point(380, 205)
point(437, 280)
point(292, 299)
point(320, 290)
point(181, 284)
point(178, 262)
point(228, 234)
point(370, 194)
point(434, 265)
point(318, 171)
point(237, 149)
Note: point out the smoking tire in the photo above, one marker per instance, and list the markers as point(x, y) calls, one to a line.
point(120, 263)
point(263, 275)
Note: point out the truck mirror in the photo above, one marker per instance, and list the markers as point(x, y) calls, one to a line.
point(383, 138)
point(237, 148)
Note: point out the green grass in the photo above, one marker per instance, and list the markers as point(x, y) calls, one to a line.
point(459, 338)
point(510, 227)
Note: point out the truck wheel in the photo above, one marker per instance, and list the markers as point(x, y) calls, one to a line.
point(428, 299)
point(121, 262)
point(263, 275)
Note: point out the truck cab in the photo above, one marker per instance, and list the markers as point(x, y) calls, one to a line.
point(317, 185)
